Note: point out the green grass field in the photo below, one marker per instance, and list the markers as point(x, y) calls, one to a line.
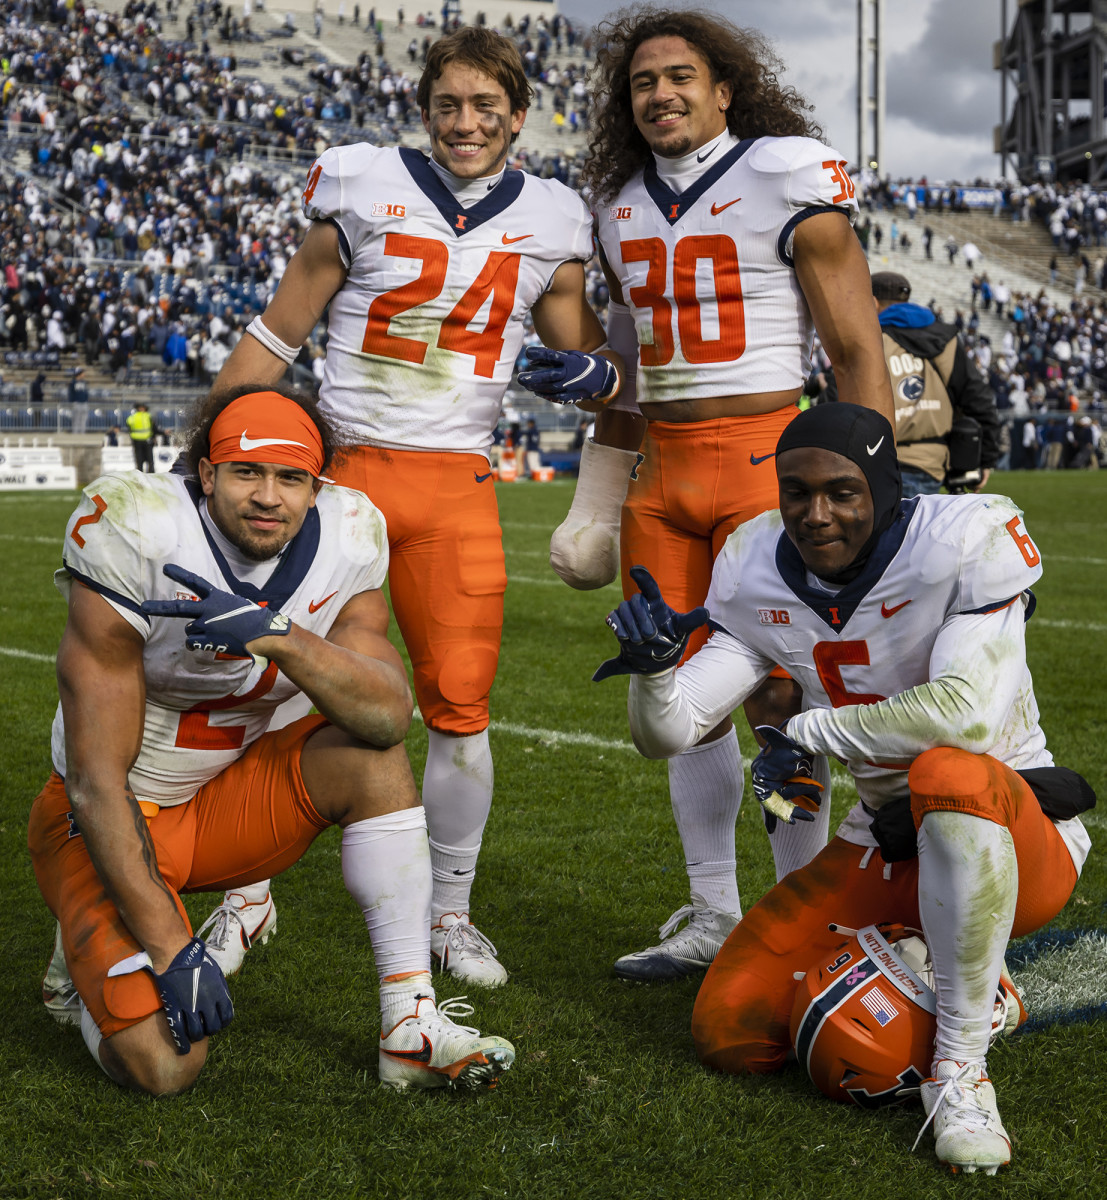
point(580, 864)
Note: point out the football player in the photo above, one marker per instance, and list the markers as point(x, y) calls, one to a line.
point(165, 778)
point(430, 266)
point(725, 231)
point(903, 622)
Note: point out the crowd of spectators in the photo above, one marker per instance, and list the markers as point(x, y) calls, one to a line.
point(163, 199)
point(161, 229)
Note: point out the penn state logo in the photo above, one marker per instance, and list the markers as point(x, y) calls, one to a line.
point(41, 478)
point(911, 388)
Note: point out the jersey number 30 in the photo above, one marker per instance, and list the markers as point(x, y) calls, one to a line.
point(721, 254)
point(498, 279)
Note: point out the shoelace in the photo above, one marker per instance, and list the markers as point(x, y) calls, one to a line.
point(671, 924)
point(455, 1007)
point(70, 997)
point(976, 1115)
point(691, 912)
point(221, 919)
point(1000, 1014)
point(464, 936)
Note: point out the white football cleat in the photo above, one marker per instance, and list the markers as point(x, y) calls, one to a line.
point(235, 926)
point(968, 1133)
point(427, 1050)
point(459, 948)
point(59, 993)
point(691, 950)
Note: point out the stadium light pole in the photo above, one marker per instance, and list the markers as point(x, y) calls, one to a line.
point(870, 84)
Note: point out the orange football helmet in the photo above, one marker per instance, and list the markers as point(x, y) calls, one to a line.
point(863, 1022)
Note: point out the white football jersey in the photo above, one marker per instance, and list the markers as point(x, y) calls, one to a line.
point(424, 334)
point(203, 710)
point(708, 273)
point(888, 664)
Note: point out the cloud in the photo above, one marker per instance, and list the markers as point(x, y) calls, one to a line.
point(945, 83)
point(942, 93)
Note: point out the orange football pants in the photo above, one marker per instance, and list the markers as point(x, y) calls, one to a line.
point(700, 480)
point(252, 821)
point(446, 573)
point(740, 1021)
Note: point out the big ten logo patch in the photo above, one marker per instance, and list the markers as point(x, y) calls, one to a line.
point(620, 213)
point(774, 616)
point(389, 210)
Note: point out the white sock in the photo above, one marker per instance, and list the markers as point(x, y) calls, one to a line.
point(90, 1031)
point(457, 794)
point(705, 786)
point(968, 887)
point(400, 996)
point(795, 845)
point(252, 893)
point(386, 868)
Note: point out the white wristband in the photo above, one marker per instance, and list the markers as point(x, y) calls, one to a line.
point(271, 342)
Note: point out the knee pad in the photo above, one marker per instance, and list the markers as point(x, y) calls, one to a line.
point(948, 780)
point(454, 697)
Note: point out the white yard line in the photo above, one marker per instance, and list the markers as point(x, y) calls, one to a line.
point(12, 652)
point(552, 581)
point(1084, 626)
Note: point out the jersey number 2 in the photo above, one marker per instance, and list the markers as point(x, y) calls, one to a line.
point(194, 732)
point(722, 255)
point(498, 280)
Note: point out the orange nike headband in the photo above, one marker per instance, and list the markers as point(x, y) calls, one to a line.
point(266, 427)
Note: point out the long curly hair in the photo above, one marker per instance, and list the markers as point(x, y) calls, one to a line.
point(761, 105)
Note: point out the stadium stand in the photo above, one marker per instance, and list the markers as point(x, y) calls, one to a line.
point(153, 157)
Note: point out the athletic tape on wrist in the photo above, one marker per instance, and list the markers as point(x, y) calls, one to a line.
point(259, 330)
point(622, 337)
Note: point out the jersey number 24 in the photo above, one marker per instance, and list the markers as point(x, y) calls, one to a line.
point(498, 278)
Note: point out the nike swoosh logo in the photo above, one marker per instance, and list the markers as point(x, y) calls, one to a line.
point(235, 612)
point(705, 157)
point(195, 987)
point(248, 443)
point(511, 241)
point(873, 449)
point(315, 606)
point(718, 208)
point(482, 478)
point(422, 1055)
point(756, 462)
point(886, 612)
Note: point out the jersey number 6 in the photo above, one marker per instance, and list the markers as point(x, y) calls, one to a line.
point(498, 279)
point(722, 255)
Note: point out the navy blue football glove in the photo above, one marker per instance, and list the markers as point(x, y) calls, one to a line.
point(221, 621)
point(194, 995)
point(652, 636)
point(782, 779)
point(569, 375)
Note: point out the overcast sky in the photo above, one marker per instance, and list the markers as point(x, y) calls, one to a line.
point(942, 93)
